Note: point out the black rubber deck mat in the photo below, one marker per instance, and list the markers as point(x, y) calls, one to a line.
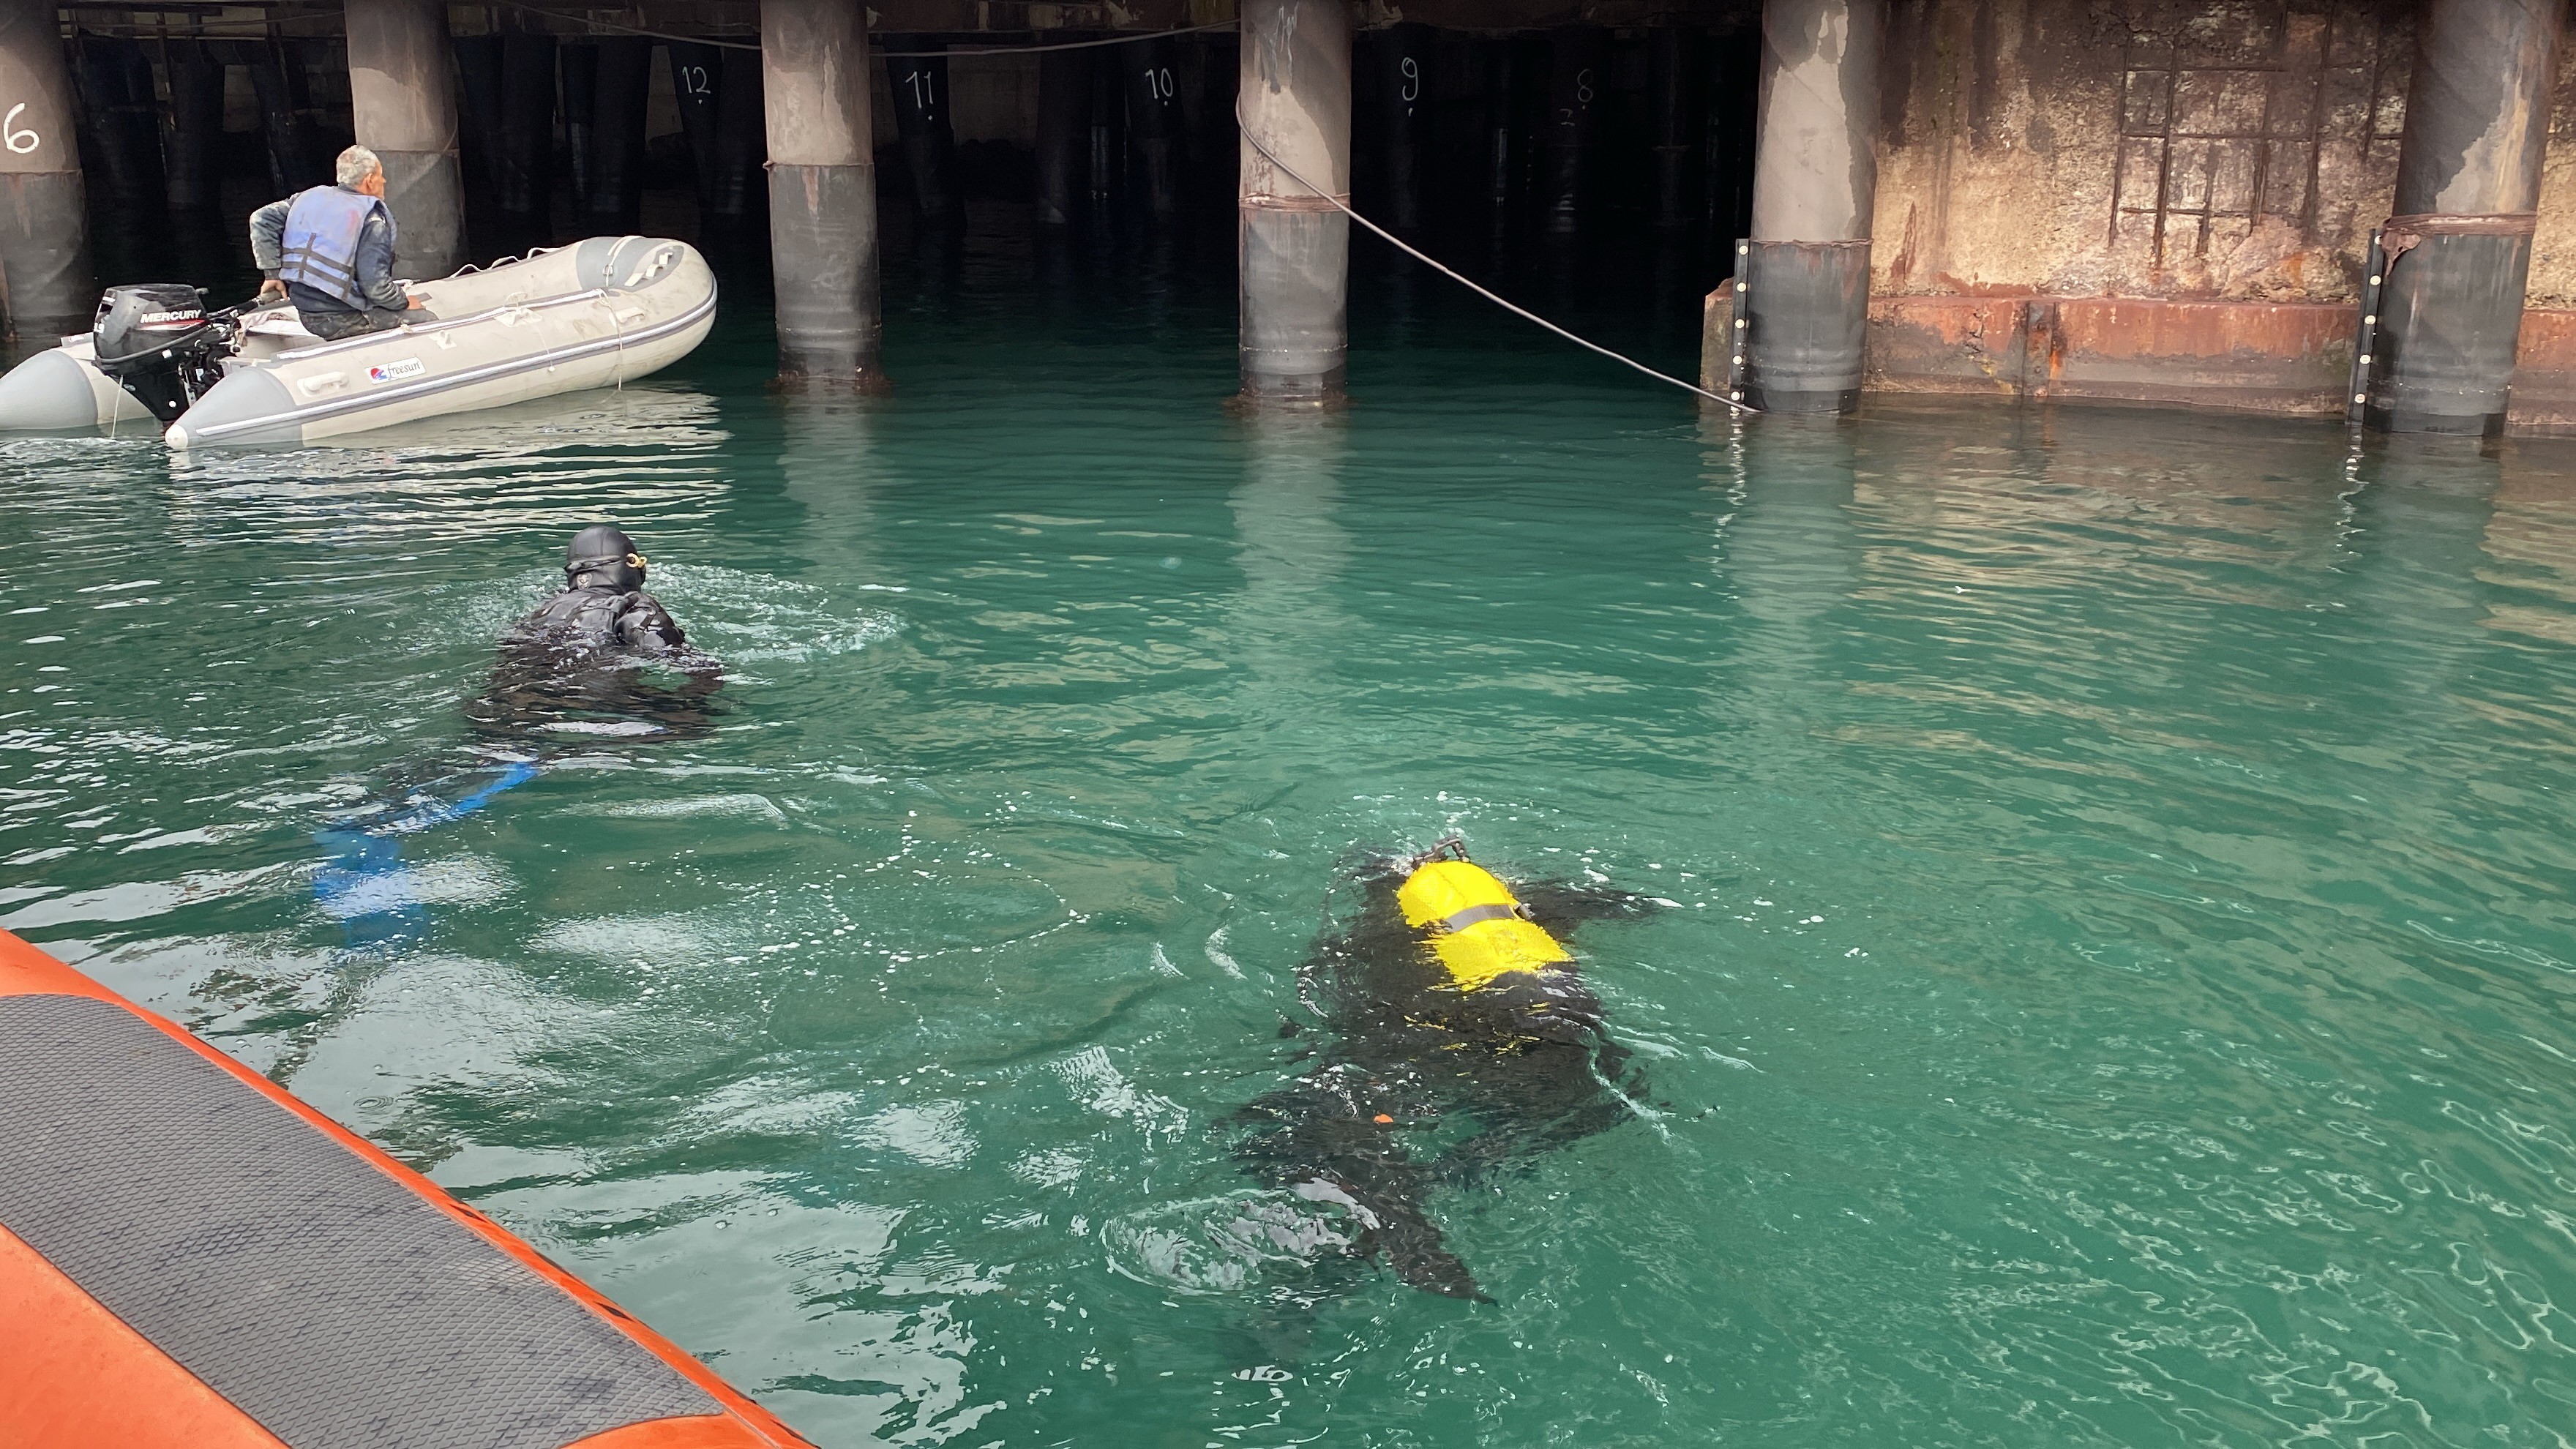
point(325, 1299)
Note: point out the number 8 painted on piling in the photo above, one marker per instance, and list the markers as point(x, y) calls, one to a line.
point(19, 139)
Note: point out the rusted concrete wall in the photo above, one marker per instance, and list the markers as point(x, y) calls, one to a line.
point(2544, 375)
point(2553, 248)
point(2273, 357)
point(2186, 149)
point(2270, 357)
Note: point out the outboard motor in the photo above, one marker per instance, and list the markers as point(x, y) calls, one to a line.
point(160, 344)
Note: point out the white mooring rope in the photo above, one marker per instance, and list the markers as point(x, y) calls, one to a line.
point(1391, 238)
point(1452, 274)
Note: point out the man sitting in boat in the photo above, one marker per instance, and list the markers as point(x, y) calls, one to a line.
point(330, 251)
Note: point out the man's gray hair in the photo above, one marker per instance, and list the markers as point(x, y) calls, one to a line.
point(355, 165)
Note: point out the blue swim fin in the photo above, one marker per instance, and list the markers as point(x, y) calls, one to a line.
point(361, 881)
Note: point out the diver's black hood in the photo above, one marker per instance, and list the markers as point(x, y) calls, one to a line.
point(603, 556)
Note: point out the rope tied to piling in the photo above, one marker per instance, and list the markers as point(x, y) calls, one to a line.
point(1461, 279)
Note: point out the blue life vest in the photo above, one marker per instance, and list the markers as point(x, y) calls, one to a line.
point(320, 247)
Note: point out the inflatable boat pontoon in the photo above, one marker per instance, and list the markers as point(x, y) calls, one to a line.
point(192, 1259)
point(599, 312)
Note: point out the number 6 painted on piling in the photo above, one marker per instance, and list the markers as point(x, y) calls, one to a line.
point(19, 139)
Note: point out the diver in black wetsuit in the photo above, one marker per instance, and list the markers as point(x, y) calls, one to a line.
point(603, 604)
point(594, 659)
point(579, 661)
point(1452, 1001)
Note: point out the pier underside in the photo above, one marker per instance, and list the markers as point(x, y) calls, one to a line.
point(2049, 201)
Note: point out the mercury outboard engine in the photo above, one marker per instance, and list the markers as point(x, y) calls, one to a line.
point(160, 344)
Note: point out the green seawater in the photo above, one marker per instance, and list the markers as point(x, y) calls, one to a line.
point(2118, 986)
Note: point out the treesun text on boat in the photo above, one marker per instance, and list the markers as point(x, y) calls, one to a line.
point(592, 314)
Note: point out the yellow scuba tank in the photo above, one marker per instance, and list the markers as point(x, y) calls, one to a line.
point(1477, 927)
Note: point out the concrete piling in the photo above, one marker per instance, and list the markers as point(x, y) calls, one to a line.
point(403, 98)
point(621, 85)
point(478, 125)
point(822, 192)
point(1500, 148)
point(277, 77)
point(113, 80)
point(697, 74)
point(1674, 90)
point(1578, 74)
point(1804, 273)
point(523, 178)
point(1107, 153)
point(741, 189)
point(44, 220)
point(579, 62)
point(1064, 135)
point(1154, 116)
point(1295, 104)
point(1214, 161)
point(2458, 248)
point(192, 130)
point(1401, 57)
point(1733, 80)
point(917, 75)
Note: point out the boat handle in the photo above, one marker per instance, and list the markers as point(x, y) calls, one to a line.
point(654, 265)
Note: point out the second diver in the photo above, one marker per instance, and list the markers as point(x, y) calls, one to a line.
point(1464, 1040)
